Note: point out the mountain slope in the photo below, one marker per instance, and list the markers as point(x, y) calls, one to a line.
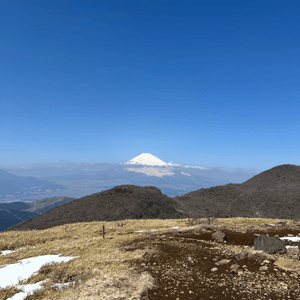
point(10, 217)
point(118, 203)
point(10, 184)
point(40, 206)
point(17, 212)
point(274, 193)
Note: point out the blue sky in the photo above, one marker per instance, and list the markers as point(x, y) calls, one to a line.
point(208, 83)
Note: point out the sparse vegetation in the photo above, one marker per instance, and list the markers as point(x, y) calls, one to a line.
point(101, 265)
point(121, 223)
point(126, 264)
point(193, 221)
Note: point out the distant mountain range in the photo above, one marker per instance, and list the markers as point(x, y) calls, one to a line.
point(78, 180)
point(274, 193)
point(13, 184)
point(17, 212)
point(147, 159)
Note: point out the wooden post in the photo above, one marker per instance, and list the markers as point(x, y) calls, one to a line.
point(103, 233)
point(208, 220)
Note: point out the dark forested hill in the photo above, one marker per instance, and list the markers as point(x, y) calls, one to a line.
point(17, 212)
point(118, 203)
point(10, 217)
point(274, 193)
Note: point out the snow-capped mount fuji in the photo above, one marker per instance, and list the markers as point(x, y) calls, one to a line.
point(147, 159)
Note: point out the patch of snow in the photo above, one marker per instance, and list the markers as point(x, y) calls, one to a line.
point(291, 238)
point(291, 247)
point(7, 252)
point(25, 268)
point(147, 159)
point(4, 252)
point(145, 230)
point(176, 227)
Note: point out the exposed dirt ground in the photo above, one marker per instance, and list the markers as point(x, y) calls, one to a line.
point(183, 261)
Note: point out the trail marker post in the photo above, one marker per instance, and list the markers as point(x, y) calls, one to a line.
point(103, 231)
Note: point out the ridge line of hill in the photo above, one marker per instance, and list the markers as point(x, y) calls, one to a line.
point(274, 193)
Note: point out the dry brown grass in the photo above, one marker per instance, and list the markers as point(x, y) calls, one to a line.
point(102, 270)
point(248, 221)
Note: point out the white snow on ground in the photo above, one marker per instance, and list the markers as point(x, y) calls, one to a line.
point(10, 274)
point(291, 238)
point(291, 247)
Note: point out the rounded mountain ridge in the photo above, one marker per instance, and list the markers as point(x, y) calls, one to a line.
point(118, 203)
point(275, 177)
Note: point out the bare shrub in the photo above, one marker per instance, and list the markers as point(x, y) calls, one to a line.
point(121, 223)
point(193, 221)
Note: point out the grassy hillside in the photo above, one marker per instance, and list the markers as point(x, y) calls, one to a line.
point(109, 268)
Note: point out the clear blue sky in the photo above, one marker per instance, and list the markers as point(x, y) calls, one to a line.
point(207, 83)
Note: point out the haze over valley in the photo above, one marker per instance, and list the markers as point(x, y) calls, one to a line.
point(78, 180)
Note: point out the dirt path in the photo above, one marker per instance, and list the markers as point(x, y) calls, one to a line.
point(183, 262)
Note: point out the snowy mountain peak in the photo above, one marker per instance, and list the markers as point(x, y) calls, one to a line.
point(147, 159)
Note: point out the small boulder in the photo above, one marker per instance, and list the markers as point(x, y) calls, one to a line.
point(219, 236)
point(281, 223)
point(234, 268)
point(288, 264)
point(223, 262)
point(269, 244)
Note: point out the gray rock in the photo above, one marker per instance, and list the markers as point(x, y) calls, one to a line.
point(281, 223)
point(219, 236)
point(223, 262)
point(269, 244)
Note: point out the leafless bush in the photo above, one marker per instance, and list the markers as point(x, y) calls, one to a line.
point(121, 223)
point(193, 221)
point(68, 228)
